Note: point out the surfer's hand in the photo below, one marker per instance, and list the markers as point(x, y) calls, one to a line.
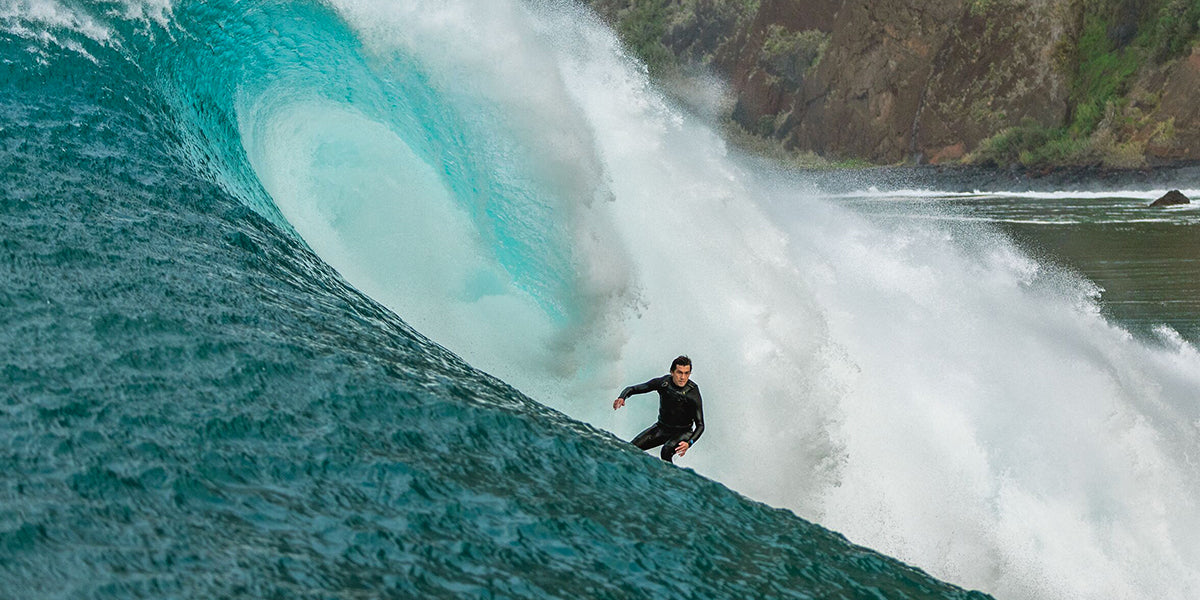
point(618, 403)
point(682, 448)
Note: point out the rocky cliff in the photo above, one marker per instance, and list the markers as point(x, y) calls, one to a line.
point(1038, 82)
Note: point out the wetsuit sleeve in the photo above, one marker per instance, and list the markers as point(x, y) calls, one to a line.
point(699, 419)
point(641, 388)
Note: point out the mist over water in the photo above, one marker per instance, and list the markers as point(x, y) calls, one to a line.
point(506, 179)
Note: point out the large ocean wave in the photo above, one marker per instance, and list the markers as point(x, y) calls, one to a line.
point(503, 177)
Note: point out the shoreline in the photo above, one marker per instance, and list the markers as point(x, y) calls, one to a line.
point(959, 178)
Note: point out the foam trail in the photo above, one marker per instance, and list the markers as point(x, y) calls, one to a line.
point(922, 387)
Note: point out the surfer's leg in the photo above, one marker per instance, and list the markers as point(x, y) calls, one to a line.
point(651, 437)
point(673, 439)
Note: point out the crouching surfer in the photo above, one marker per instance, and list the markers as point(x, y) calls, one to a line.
point(679, 406)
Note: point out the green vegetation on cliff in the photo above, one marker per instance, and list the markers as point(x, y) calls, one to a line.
point(793, 54)
point(674, 35)
point(1117, 41)
point(642, 26)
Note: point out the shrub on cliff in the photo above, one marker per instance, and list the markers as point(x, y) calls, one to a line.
point(1008, 146)
point(1175, 29)
point(791, 55)
point(642, 27)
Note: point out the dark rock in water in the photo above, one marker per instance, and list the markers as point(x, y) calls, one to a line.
point(1171, 198)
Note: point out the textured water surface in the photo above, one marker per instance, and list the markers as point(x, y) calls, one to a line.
point(1145, 261)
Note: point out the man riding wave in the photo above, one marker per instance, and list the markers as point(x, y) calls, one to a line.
point(679, 407)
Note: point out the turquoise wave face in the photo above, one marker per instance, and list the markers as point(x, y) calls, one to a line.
point(195, 404)
point(282, 95)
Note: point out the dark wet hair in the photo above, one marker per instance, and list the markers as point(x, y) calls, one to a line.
point(680, 361)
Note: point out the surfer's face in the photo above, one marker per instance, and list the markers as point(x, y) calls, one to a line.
point(679, 376)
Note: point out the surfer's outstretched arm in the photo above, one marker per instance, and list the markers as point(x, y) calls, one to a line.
point(640, 388)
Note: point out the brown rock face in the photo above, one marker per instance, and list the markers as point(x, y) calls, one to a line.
point(916, 81)
point(1173, 132)
point(994, 70)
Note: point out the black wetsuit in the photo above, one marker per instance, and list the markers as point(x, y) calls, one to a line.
point(678, 408)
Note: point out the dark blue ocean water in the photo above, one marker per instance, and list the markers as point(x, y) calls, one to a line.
point(194, 405)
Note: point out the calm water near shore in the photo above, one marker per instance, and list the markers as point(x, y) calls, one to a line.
point(1145, 261)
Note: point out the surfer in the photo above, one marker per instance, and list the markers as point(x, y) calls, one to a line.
point(679, 407)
